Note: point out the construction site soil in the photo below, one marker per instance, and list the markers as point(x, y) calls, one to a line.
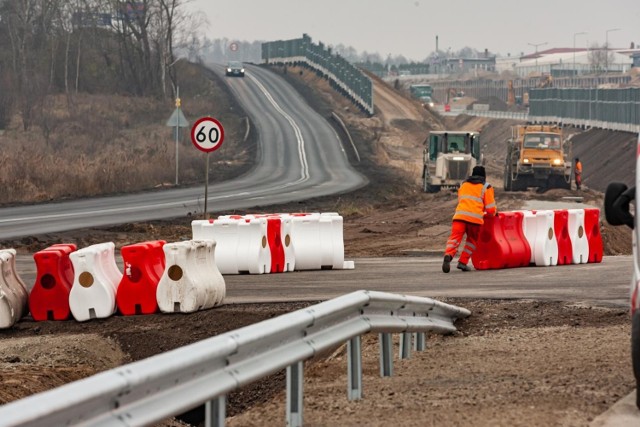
point(512, 363)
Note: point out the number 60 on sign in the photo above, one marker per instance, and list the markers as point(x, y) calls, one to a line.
point(207, 134)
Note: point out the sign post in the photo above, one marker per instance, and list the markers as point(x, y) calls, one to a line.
point(177, 120)
point(207, 135)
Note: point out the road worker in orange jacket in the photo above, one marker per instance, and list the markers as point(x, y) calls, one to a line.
point(475, 197)
point(578, 173)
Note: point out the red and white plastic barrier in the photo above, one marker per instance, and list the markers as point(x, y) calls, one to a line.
point(143, 267)
point(191, 281)
point(578, 237)
point(274, 243)
point(501, 243)
point(279, 242)
point(549, 238)
point(49, 297)
point(529, 230)
point(13, 291)
point(242, 243)
point(561, 228)
point(95, 282)
point(592, 230)
point(546, 245)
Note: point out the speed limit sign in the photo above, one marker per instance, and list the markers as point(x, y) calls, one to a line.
point(207, 134)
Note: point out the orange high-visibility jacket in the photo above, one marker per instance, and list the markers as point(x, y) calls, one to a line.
point(474, 199)
point(578, 168)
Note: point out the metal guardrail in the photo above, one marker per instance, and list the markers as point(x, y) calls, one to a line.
point(596, 105)
point(486, 88)
point(153, 389)
point(579, 123)
point(344, 76)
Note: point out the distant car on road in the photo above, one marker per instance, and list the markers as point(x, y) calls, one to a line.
point(235, 69)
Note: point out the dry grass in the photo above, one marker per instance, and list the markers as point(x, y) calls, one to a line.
point(110, 144)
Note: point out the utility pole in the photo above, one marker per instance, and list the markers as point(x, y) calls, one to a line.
point(574, 50)
point(606, 49)
point(177, 129)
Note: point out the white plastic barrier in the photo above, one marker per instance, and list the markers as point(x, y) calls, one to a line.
point(318, 241)
point(546, 245)
point(305, 234)
point(287, 243)
point(331, 226)
point(529, 231)
point(13, 291)
point(224, 231)
point(253, 254)
point(579, 242)
point(196, 228)
point(95, 282)
point(191, 281)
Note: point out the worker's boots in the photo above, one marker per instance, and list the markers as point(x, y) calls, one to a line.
point(446, 264)
point(463, 267)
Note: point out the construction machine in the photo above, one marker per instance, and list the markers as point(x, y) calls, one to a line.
point(537, 156)
point(449, 158)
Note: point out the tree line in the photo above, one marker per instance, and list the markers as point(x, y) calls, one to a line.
point(92, 46)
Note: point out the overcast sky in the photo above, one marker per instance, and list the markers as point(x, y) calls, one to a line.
point(409, 27)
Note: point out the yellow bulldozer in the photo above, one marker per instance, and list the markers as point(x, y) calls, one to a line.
point(537, 156)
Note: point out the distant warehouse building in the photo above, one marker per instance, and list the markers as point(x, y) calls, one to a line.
point(464, 65)
point(566, 62)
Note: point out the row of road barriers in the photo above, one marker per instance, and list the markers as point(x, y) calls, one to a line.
point(165, 277)
point(540, 237)
point(151, 390)
point(275, 243)
point(87, 283)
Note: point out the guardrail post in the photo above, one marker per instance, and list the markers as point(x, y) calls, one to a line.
point(386, 355)
point(215, 412)
point(354, 369)
point(405, 345)
point(420, 341)
point(295, 376)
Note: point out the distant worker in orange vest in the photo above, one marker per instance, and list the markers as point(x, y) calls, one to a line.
point(475, 197)
point(578, 172)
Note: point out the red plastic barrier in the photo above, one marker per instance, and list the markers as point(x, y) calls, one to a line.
point(592, 230)
point(274, 237)
point(502, 243)
point(492, 250)
point(561, 228)
point(513, 232)
point(144, 264)
point(49, 297)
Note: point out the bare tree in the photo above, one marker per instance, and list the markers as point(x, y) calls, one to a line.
point(600, 57)
point(28, 25)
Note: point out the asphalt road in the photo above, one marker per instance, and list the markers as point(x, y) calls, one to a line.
point(604, 283)
point(300, 157)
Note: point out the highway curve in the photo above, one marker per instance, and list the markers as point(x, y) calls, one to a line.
point(299, 156)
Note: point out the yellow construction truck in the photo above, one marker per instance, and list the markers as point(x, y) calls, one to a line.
point(449, 158)
point(537, 156)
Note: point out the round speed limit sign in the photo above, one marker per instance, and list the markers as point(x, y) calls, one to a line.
point(207, 134)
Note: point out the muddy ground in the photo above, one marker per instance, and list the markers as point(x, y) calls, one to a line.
point(512, 363)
